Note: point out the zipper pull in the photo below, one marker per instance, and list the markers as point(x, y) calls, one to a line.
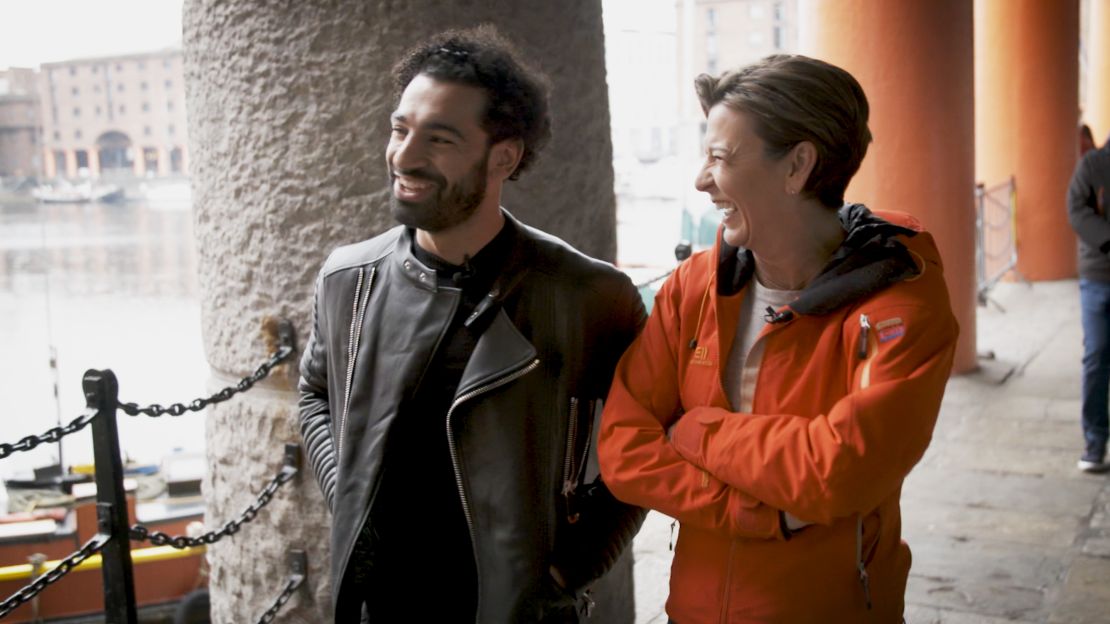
point(670, 541)
point(864, 330)
point(865, 580)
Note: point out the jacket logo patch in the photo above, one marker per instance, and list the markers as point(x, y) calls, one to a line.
point(701, 357)
point(890, 329)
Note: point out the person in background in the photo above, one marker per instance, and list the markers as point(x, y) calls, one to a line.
point(456, 365)
point(789, 378)
point(1087, 216)
point(1086, 140)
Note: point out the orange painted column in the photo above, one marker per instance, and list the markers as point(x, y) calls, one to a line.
point(1096, 109)
point(1027, 105)
point(914, 61)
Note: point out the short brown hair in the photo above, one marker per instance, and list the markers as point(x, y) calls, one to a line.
point(794, 98)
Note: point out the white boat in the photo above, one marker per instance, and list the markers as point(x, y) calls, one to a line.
point(67, 193)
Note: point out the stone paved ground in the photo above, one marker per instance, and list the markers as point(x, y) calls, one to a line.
point(1002, 526)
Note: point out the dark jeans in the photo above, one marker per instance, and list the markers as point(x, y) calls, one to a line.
point(1094, 300)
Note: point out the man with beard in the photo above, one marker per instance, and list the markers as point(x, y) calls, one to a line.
point(456, 366)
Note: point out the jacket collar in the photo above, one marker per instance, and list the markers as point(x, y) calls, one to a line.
point(870, 259)
point(517, 262)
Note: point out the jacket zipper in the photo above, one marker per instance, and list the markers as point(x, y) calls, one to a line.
point(865, 350)
point(497, 383)
point(358, 313)
point(573, 470)
point(864, 578)
point(728, 582)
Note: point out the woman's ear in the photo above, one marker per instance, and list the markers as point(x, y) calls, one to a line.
point(504, 157)
point(802, 160)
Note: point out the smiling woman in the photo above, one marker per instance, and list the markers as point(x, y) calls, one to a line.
point(789, 378)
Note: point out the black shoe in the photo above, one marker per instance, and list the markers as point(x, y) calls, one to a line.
point(1094, 460)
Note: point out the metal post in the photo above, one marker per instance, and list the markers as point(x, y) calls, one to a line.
point(102, 393)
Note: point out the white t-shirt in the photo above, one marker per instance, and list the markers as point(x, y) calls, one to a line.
point(742, 368)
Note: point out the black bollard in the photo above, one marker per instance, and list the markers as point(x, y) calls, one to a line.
point(102, 393)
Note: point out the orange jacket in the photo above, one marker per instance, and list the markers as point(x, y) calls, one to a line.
point(848, 392)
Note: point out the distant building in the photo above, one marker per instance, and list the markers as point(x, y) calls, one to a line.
point(20, 124)
point(115, 115)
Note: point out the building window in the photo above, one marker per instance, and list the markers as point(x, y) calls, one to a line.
point(75, 91)
point(77, 134)
point(146, 130)
point(122, 109)
point(166, 63)
point(57, 135)
point(76, 111)
point(146, 107)
point(776, 37)
point(95, 69)
point(143, 85)
point(82, 159)
point(169, 106)
point(169, 130)
point(59, 163)
point(119, 67)
point(142, 65)
point(72, 71)
point(119, 87)
point(169, 84)
point(711, 19)
point(97, 111)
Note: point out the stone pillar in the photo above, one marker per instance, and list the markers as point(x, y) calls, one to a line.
point(288, 107)
point(1027, 100)
point(914, 61)
point(1096, 110)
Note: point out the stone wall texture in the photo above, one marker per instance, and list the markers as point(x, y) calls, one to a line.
point(288, 106)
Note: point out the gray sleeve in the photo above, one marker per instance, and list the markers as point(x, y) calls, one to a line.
point(1083, 214)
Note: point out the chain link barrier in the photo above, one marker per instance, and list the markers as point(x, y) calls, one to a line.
point(290, 467)
point(177, 409)
point(52, 435)
point(654, 279)
point(299, 565)
point(64, 567)
point(288, 470)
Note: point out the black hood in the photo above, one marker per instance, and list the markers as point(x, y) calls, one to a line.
point(869, 260)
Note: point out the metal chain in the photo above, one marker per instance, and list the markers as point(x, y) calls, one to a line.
point(653, 280)
point(177, 409)
point(290, 586)
point(51, 436)
point(158, 538)
point(64, 567)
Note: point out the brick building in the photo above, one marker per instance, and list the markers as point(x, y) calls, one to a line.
point(114, 115)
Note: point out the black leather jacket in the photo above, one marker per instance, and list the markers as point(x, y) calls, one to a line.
point(528, 397)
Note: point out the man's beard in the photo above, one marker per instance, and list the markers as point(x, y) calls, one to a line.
point(449, 207)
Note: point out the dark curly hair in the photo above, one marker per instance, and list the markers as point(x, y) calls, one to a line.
point(516, 94)
point(793, 98)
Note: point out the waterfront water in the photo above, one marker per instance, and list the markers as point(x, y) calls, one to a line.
point(114, 286)
point(106, 286)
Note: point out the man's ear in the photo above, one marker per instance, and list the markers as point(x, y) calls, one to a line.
point(802, 160)
point(504, 156)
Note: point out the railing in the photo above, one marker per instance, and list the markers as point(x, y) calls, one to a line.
point(995, 239)
point(112, 541)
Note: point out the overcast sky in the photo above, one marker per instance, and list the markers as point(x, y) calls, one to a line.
point(33, 32)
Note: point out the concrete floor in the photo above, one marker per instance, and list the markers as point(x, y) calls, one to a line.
point(1002, 526)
